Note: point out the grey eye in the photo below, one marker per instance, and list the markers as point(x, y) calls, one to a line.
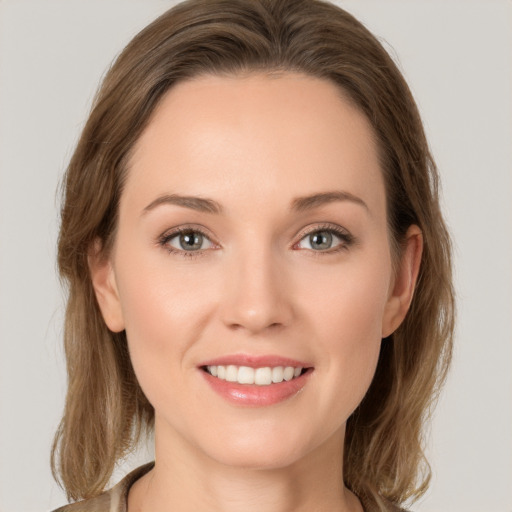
point(189, 241)
point(320, 241)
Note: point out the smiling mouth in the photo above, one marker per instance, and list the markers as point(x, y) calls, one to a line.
point(262, 376)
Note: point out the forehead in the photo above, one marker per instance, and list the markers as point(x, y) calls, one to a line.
point(226, 136)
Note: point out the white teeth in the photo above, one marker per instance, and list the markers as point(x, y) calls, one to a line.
point(277, 374)
point(245, 375)
point(221, 372)
point(231, 373)
point(263, 376)
point(288, 373)
point(260, 376)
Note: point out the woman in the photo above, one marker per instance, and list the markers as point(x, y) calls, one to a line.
point(258, 269)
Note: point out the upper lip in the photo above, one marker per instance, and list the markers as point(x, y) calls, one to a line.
point(254, 361)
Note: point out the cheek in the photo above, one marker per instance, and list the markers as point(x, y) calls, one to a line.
point(348, 300)
point(347, 318)
point(162, 310)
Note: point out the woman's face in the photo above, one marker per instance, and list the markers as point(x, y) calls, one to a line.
point(252, 233)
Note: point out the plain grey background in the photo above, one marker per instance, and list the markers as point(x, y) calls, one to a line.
point(457, 57)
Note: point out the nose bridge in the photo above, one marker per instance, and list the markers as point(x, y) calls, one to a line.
point(256, 295)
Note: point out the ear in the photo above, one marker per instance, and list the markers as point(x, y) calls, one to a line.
point(105, 287)
point(404, 282)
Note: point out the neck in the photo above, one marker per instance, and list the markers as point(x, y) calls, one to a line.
point(185, 479)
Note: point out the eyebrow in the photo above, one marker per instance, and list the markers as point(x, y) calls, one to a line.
point(299, 204)
point(199, 204)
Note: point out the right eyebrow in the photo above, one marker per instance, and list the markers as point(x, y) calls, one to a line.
point(199, 204)
point(301, 204)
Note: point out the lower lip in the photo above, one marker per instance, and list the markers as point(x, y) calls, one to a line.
point(256, 396)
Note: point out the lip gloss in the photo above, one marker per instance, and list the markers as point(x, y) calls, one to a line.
point(253, 395)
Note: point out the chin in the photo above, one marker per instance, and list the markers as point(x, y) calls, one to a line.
point(262, 448)
point(258, 457)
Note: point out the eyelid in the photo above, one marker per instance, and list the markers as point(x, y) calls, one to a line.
point(323, 226)
point(184, 228)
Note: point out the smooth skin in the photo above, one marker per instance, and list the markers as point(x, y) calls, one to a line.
point(257, 282)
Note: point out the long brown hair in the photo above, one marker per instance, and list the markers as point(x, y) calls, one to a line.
point(106, 411)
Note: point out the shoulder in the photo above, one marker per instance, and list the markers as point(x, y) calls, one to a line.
point(396, 508)
point(385, 506)
point(114, 500)
point(101, 503)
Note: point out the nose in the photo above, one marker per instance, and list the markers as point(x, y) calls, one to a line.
point(258, 293)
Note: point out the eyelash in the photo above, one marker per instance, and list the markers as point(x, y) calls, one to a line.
point(344, 236)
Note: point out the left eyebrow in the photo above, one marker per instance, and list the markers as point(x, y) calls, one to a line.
point(194, 203)
point(301, 204)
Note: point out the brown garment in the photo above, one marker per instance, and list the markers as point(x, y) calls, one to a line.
point(114, 500)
